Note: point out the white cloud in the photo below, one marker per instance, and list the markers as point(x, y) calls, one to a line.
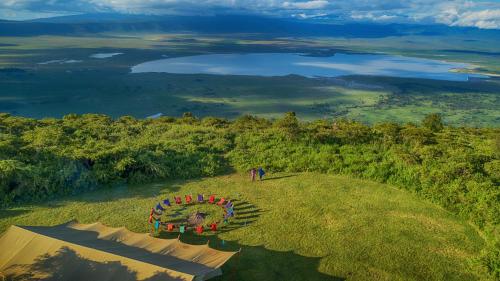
point(372, 16)
point(308, 5)
point(309, 16)
point(466, 13)
point(482, 19)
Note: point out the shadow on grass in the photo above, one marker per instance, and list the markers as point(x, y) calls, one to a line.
point(254, 262)
point(124, 191)
point(278, 177)
point(66, 264)
point(12, 213)
point(259, 263)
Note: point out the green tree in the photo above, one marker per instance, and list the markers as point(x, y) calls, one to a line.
point(289, 124)
point(433, 122)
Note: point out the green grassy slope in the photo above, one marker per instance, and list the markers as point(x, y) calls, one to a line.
point(296, 227)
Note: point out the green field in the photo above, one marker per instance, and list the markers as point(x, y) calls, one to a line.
point(106, 86)
point(296, 227)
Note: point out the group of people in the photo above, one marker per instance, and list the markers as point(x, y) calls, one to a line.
point(254, 172)
point(155, 214)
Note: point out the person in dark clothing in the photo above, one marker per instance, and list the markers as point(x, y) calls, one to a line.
point(261, 173)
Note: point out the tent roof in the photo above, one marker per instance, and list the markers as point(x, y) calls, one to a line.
point(67, 248)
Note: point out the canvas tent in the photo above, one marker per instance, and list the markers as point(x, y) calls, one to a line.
point(74, 251)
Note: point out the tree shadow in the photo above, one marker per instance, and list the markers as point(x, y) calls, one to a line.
point(123, 190)
point(254, 262)
point(119, 191)
point(66, 264)
point(259, 263)
point(279, 177)
point(12, 213)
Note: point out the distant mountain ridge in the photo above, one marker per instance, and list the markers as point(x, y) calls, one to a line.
point(95, 23)
point(96, 17)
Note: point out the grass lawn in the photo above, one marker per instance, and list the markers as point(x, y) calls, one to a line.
point(296, 227)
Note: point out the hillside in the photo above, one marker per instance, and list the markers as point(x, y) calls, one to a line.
point(224, 24)
point(336, 228)
point(456, 168)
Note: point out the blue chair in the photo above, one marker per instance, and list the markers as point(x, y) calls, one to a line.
point(166, 202)
point(159, 207)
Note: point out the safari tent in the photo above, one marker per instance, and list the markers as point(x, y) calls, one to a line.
point(74, 251)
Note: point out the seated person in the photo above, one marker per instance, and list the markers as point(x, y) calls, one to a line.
point(166, 202)
point(221, 201)
point(199, 229)
point(213, 227)
point(159, 207)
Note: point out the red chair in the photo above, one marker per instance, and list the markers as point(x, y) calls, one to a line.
point(211, 199)
point(189, 198)
point(213, 227)
point(221, 201)
point(178, 200)
point(170, 227)
point(199, 229)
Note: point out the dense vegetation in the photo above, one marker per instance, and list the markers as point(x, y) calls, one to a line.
point(459, 168)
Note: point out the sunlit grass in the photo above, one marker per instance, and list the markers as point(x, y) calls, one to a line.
point(296, 227)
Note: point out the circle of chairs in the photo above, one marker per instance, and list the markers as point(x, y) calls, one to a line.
point(160, 208)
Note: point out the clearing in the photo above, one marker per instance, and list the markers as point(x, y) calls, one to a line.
point(295, 227)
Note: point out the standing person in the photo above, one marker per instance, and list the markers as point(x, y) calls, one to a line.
point(253, 172)
point(261, 173)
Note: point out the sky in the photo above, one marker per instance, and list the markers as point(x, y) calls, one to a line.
point(475, 13)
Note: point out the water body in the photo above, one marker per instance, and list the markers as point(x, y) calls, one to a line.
point(60, 61)
point(104, 55)
point(281, 64)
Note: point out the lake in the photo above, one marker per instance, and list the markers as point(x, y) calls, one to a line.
point(281, 64)
point(104, 55)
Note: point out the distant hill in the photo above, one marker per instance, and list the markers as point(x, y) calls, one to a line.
point(95, 23)
point(97, 17)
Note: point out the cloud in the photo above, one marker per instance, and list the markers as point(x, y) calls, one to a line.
point(371, 16)
point(309, 5)
point(476, 13)
point(488, 18)
point(469, 13)
point(309, 16)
